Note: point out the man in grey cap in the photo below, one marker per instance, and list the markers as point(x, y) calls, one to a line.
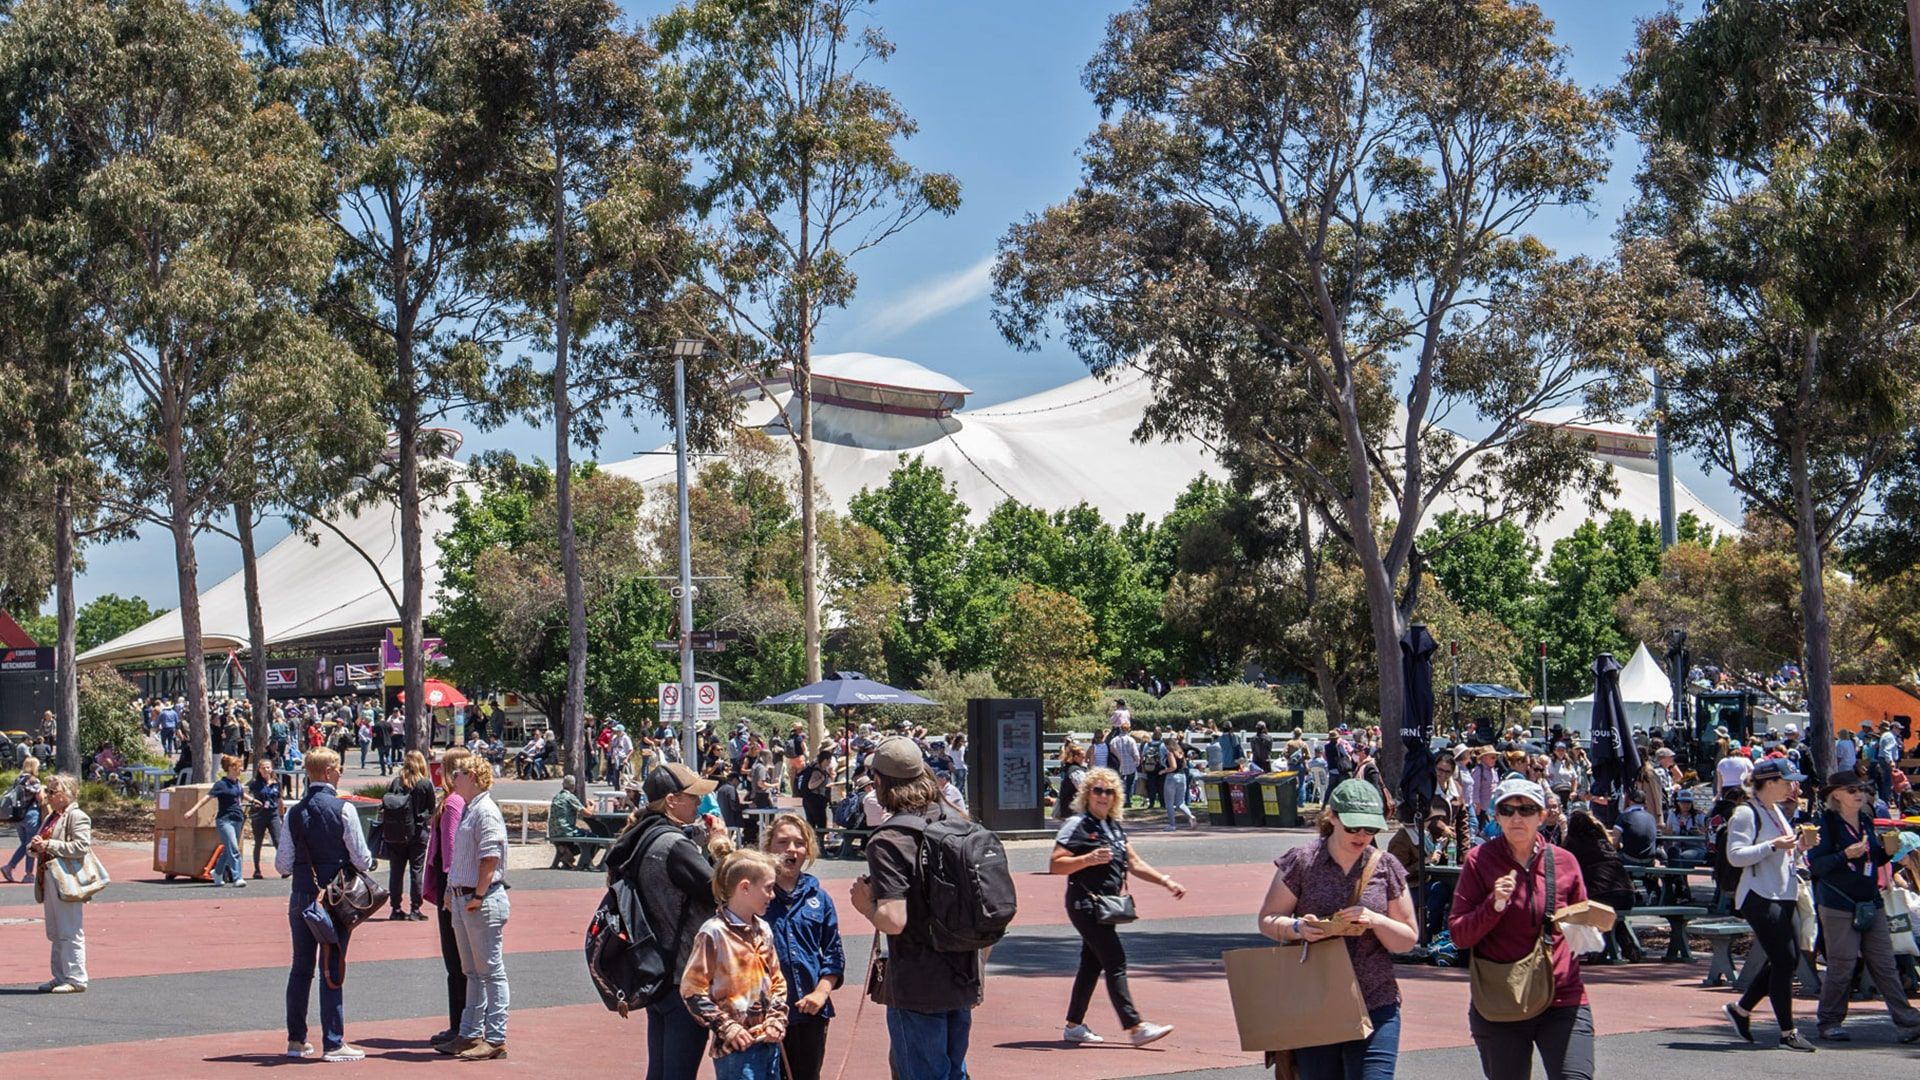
point(930, 994)
point(674, 879)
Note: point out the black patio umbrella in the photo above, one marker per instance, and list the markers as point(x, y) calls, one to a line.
point(842, 691)
point(1616, 760)
point(1416, 724)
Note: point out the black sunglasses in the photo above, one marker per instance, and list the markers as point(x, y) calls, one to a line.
point(1362, 830)
point(1101, 791)
point(1517, 809)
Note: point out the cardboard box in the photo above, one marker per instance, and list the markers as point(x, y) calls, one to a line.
point(1587, 913)
point(171, 804)
point(185, 852)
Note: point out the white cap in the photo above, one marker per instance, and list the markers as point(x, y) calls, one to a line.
point(1519, 788)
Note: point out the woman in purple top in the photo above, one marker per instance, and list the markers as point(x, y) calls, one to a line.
point(1317, 881)
point(440, 829)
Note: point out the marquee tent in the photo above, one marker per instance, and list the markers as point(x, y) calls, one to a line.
point(1644, 689)
point(1053, 450)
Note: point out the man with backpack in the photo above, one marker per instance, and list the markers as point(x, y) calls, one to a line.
point(940, 889)
point(661, 863)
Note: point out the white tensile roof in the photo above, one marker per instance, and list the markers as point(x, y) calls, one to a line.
point(307, 589)
point(1052, 450)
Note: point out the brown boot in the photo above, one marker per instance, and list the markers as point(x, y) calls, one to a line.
point(482, 1050)
point(458, 1045)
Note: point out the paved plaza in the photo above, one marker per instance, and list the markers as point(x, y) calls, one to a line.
point(188, 980)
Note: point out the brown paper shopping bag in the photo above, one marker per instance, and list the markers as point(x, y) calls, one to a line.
point(1289, 996)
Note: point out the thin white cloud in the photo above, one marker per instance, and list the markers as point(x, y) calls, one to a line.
point(933, 299)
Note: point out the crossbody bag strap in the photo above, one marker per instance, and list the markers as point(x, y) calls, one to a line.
point(1546, 907)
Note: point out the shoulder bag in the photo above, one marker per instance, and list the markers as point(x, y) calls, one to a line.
point(1521, 990)
point(77, 880)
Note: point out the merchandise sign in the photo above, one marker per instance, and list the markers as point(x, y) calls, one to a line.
point(26, 659)
point(706, 702)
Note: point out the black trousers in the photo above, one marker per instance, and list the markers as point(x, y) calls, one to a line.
point(1100, 953)
point(1772, 922)
point(1563, 1034)
point(456, 978)
point(409, 860)
point(266, 826)
point(805, 1048)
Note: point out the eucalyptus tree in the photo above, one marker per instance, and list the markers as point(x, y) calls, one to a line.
point(192, 243)
point(600, 202)
point(1309, 222)
point(422, 237)
point(802, 156)
point(1780, 183)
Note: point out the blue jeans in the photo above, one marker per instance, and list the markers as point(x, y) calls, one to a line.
point(228, 868)
point(929, 1046)
point(676, 1043)
point(333, 1010)
point(1175, 791)
point(758, 1062)
point(478, 935)
point(26, 828)
point(1362, 1059)
point(168, 737)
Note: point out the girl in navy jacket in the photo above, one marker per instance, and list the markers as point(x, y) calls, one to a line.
point(806, 935)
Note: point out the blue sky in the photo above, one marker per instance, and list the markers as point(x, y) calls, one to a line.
point(995, 86)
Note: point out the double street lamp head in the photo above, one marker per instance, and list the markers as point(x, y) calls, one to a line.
point(688, 346)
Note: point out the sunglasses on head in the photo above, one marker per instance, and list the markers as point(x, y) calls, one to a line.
point(1523, 809)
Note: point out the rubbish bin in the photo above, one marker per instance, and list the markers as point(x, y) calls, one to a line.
point(1242, 801)
point(1219, 806)
point(1280, 800)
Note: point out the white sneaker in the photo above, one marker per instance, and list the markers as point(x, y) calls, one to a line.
point(346, 1052)
point(1080, 1033)
point(1149, 1033)
point(69, 988)
point(299, 1050)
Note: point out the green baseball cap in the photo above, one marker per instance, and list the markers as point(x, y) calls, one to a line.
point(1358, 806)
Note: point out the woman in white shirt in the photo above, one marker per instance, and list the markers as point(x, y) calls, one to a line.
point(1764, 845)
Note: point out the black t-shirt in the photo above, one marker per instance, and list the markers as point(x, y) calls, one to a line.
point(1070, 778)
point(919, 977)
point(1083, 833)
point(1637, 831)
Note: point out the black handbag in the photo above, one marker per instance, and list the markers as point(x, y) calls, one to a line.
point(1113, 910)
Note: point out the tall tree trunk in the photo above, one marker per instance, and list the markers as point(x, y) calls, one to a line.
point(180, 507)
point(1816, 631)
point(256, 627)
point(413, 664)
point(66, 718)
point(573, 705)
point(809, 524)
point(1383, 609)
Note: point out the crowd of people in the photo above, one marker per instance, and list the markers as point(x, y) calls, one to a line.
point(751, 940)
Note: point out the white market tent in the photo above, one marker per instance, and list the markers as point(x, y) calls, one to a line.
point(1052, 450)
point(1644, 690)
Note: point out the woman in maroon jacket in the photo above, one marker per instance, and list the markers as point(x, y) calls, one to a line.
point(1498, 910)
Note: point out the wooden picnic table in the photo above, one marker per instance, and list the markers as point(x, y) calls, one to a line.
point(1677, 916)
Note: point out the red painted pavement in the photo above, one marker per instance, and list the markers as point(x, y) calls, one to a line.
point(226, 930)
point(1014, 1032)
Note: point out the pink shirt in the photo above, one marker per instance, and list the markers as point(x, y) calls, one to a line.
point(440, 848)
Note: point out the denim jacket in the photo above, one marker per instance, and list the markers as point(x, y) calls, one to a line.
point(806, 935)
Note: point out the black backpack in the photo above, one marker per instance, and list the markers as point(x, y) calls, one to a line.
point(1726, 876)
point(964, 884)
point(630, 966)
point(396, 817)
point(627, 964)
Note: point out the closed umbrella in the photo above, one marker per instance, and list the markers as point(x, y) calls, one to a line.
point(1616, 761)
point(1416, 725)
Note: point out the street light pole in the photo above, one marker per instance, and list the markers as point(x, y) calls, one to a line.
point(689, 742)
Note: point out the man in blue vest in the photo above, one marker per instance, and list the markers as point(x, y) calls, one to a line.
point(319, 837)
